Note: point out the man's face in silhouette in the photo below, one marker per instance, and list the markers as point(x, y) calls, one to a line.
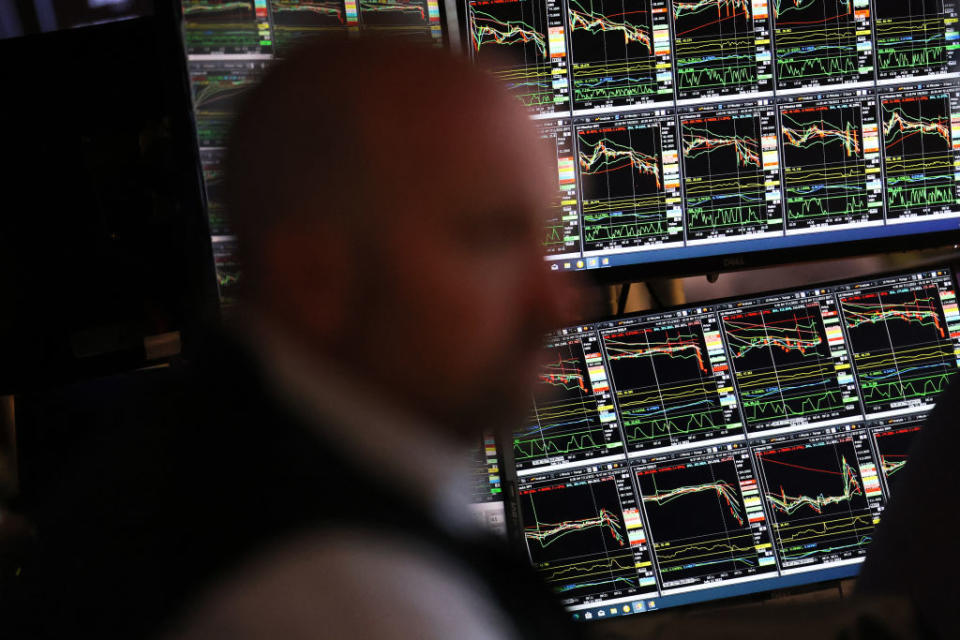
point(462, 296)
point(416, 195)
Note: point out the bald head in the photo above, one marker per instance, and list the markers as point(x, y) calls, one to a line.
point(389, 201)
point(347, 128)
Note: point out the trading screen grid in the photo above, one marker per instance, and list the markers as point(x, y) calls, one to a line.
point(231, 43)
point(698, 128)
point(728, 448)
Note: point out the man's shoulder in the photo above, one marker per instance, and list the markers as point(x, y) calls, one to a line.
point(350, 582)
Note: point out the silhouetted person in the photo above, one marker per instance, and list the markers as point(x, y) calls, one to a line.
point(308, 477)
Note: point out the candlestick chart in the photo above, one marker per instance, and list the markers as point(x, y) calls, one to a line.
point(510, 38)
point(901, 346)
point(294, 20)
point(817, 499)
point(622, 186)
point(698, 521)
point(816, 42)
point(784, 367)
point(919, 157)
point(665, 385)
point(911, 37)
point(724, 187)
point(824, 166)
point(577, 538)
point(893, 447)
point(566, 421)
point(715, 46)
point(613, 57)
point(227, 26)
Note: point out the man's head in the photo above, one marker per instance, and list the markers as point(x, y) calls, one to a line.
point(390, 201)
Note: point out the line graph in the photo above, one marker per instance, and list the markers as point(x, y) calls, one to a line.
point(893, 446)
point(698, 521)
point(825, 165)
point(394, 13)
point(666, 387)
point(512, 39)
point(911, 38)
point(725, 189)
point(919, 156)
point(716, 43)
point(821, 42)
point(785, 367)
point(618, 49)
point(792, 504)
point(901, 346)
point(228, 270)
point(822, 504)
point(217, 88)
point(225, 26)
point(566, 421)
point(547, 534)
point(577, 534)
point(625, 185)
point(294, 20)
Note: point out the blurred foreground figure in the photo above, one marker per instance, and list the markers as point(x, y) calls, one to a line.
point(309, 479)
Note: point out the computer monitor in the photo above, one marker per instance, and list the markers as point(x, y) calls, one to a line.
point(230, 44)
point(730, 447)
point(697, 136)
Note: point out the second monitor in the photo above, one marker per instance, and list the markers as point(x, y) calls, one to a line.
point(699, 136)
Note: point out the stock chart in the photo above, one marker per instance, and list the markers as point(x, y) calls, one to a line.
point(892, 442)
point(820, 42)
point(915, 37)
point(823, 496)
point(411, 19)
point(716, 45)
point(522, 42)
point(919, 153)
point(831, 164)
point(572, 417)
point(672, 383)
point(790, 364)
point(226, 26)
point(705, 519)
point(584, 534)
point(294, 20)
point(620, 52)
point(629, 184)
point(901, 343)
point(217, 87)
point(729, 161)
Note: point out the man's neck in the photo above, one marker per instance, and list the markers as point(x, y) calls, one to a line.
point(354, 417)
